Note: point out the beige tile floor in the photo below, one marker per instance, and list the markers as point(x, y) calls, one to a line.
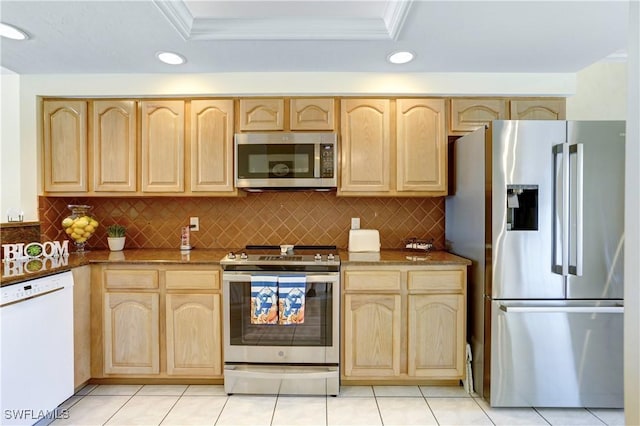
point(357, 405)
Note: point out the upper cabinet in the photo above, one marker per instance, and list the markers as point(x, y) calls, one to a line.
point(113, 145)
point(312, 114)
point(162, 146)
point(538, 109)
point(366, 145)
point(211, 165)
point(408, 162)
point(466, 115)
point(65, 146)
point(421, 145)
point(286, 114)
point(261, 114)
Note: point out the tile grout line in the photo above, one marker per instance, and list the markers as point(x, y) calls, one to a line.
point(485, 413)
point(543, 417)
point(118, 410)
point(174, 404)
point(428, 405)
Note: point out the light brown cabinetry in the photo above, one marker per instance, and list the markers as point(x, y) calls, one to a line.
point(404, 324)
point(162, 146)
point(421, 145)
point(273, 114)
point(211, 147)
point(366, 145)
point(538, 109)
point(410, 161)
point(261, 114)
point(114, 146)
point(81, 325)
point(312, 114)
point(131, 333)
point(157, 322)
point(466, 115)
point(65, 146)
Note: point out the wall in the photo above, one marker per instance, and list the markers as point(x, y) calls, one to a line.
point(10, 143)
point(601, 93)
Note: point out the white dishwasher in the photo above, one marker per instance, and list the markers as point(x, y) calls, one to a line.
point(36, 349)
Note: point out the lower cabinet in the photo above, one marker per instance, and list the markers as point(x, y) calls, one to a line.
point(157, 322)
point(403, 323)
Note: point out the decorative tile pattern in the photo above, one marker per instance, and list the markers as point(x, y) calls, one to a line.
point(263, 218)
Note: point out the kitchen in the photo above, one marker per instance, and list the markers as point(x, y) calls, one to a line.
point(245, 85)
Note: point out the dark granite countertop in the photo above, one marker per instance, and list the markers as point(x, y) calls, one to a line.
point(15, 272)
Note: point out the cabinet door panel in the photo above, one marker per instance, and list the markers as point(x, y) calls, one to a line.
point(436, 337)
point(212, 145)
point(437, 280)
point(372, 335)
point(114, 146)
point(366, 145)
point(131, 333)
point(65, 146)
point(130, 278)
point(162, 146)
point(421, 145)
point(194, 345)
point(368, 280)
point(192, 279)
point(261, 114)
point(312, 114)
point(538, 109)
point(470, 114)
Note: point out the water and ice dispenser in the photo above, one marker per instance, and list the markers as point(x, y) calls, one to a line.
point(522, 207)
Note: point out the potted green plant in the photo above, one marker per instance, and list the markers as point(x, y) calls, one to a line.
point(116, 235)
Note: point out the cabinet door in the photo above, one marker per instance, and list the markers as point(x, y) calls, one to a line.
point(194, 345)
point(366, 143)
point(261, 114)
point(65, 146)
point(467, 115)
point(162, 146)
point(131, 333)
point(312, 114)
point(538, 109)
point(212, 145)
point(421, 145)
point(372, 335)
point(436, 336)
point(114, 146)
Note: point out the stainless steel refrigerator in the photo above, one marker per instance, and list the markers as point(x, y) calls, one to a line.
point(538, 207)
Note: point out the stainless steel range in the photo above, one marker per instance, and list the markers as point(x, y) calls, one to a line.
point(281, 320)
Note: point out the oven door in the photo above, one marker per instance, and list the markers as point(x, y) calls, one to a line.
point(314, 341)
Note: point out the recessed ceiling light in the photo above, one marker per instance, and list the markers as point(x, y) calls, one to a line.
point(401, 57)
point(171, 58)
point(9, 31)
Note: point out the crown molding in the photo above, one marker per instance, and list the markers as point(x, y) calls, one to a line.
point(189, 27)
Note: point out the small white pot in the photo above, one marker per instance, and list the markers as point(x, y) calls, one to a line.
point(116, 243)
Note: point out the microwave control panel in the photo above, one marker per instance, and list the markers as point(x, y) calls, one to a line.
point(326, 160)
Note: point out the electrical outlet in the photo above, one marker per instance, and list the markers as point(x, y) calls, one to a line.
point(355, 223)
point(194, 223)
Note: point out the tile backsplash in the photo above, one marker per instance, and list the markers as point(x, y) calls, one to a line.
point(257, 218)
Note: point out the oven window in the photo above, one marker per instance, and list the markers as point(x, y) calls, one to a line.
point(314, 331)
point(275, 161)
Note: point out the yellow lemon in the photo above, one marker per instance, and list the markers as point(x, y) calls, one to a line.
point(75, 236)
point(81, 240)
point(93, 223)
point(69, 231)
point(89, 228)
point(67, 222)
point(82, 222)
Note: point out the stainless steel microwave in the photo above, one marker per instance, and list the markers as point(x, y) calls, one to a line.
point(286, 160)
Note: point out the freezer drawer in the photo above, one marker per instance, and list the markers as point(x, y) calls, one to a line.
point(556, 354)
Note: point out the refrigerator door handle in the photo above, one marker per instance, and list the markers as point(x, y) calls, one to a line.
point(564, 309)
point(562, 185)
point(576, 269)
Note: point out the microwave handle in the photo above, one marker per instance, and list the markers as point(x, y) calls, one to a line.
point(316, 160)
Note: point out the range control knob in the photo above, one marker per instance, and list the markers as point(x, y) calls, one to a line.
point(243, 256)
point(231, 255)
point(317, 257)
point(330, 256)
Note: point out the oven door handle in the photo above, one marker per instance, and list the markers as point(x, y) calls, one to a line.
point(317, 278)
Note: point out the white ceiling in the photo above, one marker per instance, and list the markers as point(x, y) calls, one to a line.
point(310, 35)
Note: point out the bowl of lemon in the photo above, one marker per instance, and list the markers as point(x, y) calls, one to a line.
point(80, 225)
